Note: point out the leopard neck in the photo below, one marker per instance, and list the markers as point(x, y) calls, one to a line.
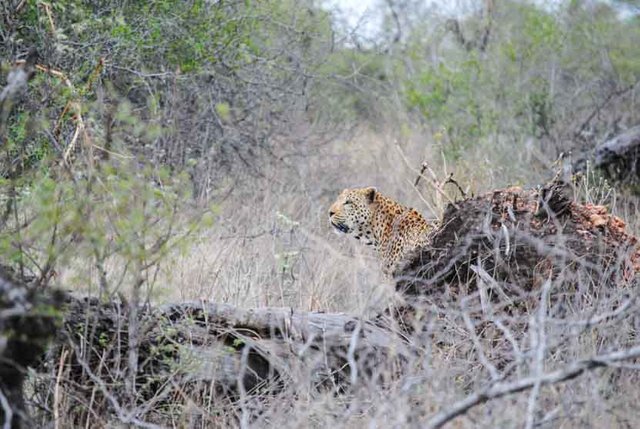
point(384, 218)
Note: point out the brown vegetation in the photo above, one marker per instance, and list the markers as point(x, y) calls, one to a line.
point(170, 164)
point(497, 253)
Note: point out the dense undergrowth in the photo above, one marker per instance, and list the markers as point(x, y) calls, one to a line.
point(177, 150)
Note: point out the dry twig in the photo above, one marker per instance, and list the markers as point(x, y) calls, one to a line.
point(498, 390)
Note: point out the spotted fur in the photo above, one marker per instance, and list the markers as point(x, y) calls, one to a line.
point(393, 229)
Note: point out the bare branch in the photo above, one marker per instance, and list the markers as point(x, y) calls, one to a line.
point(539, 345)
point(8, 412)
point(498, 390)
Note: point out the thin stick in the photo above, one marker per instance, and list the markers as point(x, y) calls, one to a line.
point(8, 412)
point(450, 179)
point(539, 338)
point(47, 9)
point(434, 182)
point(422, 170)
point(56, 392)
point(20, 5)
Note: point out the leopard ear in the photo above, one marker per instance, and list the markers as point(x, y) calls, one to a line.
point(370, 193)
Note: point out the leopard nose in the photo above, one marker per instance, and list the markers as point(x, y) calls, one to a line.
point(331, 213)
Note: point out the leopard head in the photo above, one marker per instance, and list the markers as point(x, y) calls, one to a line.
point(353, 213)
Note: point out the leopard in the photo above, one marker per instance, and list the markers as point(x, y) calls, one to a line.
point(394, 230)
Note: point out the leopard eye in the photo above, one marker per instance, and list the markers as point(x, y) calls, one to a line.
point(347, 202)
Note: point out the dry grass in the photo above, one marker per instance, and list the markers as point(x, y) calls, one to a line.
point(271, 245)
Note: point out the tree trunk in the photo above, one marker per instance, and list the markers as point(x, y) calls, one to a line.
point(27, 323)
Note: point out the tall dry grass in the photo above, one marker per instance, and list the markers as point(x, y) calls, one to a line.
point(271, 245)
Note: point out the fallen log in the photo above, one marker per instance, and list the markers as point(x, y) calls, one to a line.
point(618, 157)
point(219, 351)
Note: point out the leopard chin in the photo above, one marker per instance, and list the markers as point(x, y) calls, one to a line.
point(340, 227)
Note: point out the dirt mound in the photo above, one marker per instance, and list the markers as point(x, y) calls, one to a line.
point(520, 238)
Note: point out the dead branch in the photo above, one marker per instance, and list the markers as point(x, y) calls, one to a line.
point(451, 180)
point(71, 105)
point(47, 9)
point(420, 174)
point(498, 390)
